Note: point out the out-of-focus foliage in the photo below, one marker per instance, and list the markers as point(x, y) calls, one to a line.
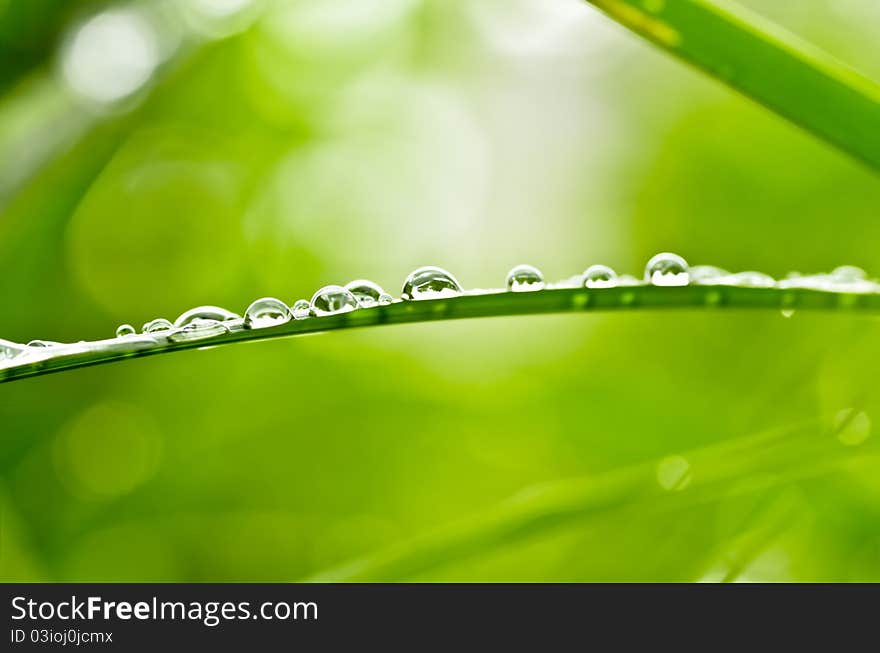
point(320, 141)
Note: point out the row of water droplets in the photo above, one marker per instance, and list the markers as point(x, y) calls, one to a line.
point(664, 269)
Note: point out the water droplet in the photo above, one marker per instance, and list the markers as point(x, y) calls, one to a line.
point(331, 300)
point(628, 280)
point(600, 276)
point(707, 274)
point(666, 269)
point(365, 292)
point(300, 309)
point(125, 330)
point(204, 314)
point(787, 312)
point(674, 473)
point(157, 325)
point(266, 312)
point(9, 349)
point(430, 283)
point(524, 278)
point(848, 273)
point(40, 343)
point(752, 279)
point(385, 299)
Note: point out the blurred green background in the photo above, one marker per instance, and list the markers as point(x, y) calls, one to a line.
point(155, 156)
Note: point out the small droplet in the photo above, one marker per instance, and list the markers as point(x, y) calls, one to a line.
point(42, 343)
point(204, 314)
point(848, 274)
point(125, 330)
point(707, 274)
point(332, 300)
point(628, 280)
point(430, 283)
point(365, 292)
point(674, 473)
point(385, 299)
point(787, 312)
point(524, 278)
point(300, 309)
point(667, 269)
point(157, 325)
point(752, 279)
point(266, 312)
point(600, 276)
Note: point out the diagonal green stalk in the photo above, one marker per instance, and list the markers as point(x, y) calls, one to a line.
point(745, 466)
point(486, 304)
point(759, 59)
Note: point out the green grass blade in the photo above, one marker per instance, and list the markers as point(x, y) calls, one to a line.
point(754, 464)
point(764, 62)
point(490, 304)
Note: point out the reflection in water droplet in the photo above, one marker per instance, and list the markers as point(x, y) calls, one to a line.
point(600, 276)
point(157, 325)
point(385, 299)
point(713, 298)
point(125, 330)
point(674, 473)
point(331, 300)
point(430, 282)
point(204, 314)
point(707, 274)
point(365, 292)
point(667, 269)
point(524, 278)
point(9, 349)
point(266, 312)
point(300, 309)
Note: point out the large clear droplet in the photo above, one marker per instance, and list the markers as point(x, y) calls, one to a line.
point(365, 292)
point(331, 300)
point(524, 278)
point(600, 276)
point(157, 325)
point(667, 269)
point(301, 309)
point(430, 282)
point(125, 330)
point(205, 314)
point(266, 312)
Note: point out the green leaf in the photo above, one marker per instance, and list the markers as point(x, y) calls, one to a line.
point(764, 62)
point(485, 304)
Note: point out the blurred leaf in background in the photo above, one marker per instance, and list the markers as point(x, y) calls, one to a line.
point(215, 151)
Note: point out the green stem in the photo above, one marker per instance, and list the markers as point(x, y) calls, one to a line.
point(494, 304)
point(764, 62)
